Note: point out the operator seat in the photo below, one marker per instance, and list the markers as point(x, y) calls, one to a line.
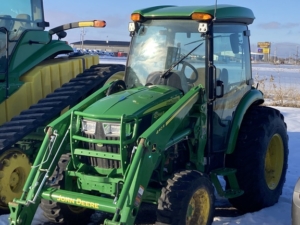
point(173, 79)
point(20, 25)
point(201, 76)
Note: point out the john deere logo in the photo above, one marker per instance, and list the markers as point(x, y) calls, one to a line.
point(78, 202)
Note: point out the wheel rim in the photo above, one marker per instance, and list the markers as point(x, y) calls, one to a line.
point(274, 161)
point(14, 170)
point(198, 208)
point(76, 209)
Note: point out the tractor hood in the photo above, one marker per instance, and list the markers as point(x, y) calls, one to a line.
point(135, 102)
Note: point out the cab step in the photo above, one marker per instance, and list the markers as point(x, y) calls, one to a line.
point(232, 193)
point(229, 174)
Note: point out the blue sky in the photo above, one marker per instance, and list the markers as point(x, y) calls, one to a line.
point(277, 21)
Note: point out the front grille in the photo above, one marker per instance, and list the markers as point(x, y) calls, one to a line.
point(100, 162)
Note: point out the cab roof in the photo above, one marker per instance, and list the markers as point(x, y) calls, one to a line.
point(225, 13)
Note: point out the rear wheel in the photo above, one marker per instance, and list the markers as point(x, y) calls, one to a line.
point(187, 199)
point(62, 213)
point(260, 158)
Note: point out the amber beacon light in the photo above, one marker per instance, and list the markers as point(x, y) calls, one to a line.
point(94, 23)
point(201, 16)
point(136, 17)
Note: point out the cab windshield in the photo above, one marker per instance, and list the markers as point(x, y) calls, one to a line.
point(17, 16)
point(159, 44)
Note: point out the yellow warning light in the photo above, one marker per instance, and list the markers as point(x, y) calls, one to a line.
point(136, 17)
point(94, 23)
point(99, 23)
point(201, 16)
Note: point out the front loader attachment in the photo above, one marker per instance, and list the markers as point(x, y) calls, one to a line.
point(121, 176)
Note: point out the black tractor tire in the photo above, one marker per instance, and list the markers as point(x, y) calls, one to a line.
point(187, 199)
point(261, 159)
point(62, 213)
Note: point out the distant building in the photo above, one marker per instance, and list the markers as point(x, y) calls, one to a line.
point(257, 56)
point(105, 46)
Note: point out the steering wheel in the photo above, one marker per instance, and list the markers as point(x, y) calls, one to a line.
point(185, 64)
point(116, 86)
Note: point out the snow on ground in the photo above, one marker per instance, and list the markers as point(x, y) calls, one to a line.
point(112, 60)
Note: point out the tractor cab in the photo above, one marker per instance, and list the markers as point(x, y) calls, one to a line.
point(17, 17)
point(185, 53)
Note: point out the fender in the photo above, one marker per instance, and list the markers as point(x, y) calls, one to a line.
point(253, 97)
point(37, 52)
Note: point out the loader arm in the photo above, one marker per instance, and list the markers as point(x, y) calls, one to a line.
point(54, 145)
point(148, 153)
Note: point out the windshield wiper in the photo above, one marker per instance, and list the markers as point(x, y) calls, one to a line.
point(179, 61)
point(193, 42)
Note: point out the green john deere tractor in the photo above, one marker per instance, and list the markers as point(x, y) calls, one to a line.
point(184, 116)
point(36, 86)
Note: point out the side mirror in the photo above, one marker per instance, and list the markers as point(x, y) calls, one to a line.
point(219, 89)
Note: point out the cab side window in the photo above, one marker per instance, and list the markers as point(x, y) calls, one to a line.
point(231, 55)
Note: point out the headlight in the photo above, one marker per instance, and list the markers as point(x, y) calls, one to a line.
point(112, 129)
point(89, 126)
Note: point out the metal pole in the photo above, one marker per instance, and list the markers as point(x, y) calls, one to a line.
point(297, 55)
point(82, 37)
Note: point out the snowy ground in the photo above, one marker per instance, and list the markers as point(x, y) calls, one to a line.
point(280, 213)
point(113, 60)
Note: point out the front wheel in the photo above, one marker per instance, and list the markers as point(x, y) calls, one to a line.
point(187, 199)
point(59, 213)
point(260, 158)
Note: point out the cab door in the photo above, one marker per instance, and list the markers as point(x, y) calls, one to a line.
point(232, 77)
